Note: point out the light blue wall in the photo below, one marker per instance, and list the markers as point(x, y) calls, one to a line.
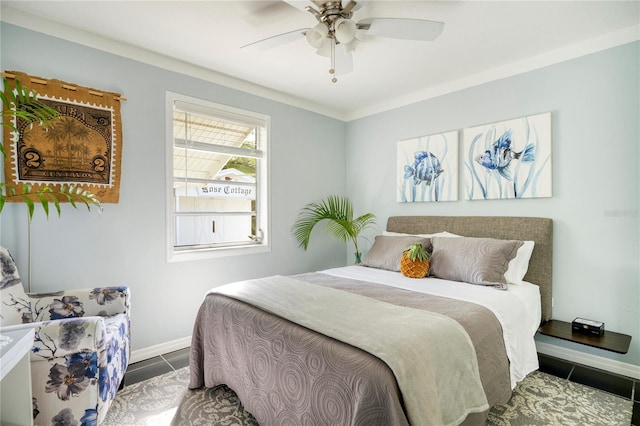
point(126, 244)
point(594, 101)
point(594, 104)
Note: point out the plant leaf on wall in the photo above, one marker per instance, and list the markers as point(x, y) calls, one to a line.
point(18, 102)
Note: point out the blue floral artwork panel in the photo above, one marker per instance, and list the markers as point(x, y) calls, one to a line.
point(509, 159)
point(428, 168)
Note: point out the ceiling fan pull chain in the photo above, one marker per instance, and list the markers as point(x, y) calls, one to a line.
point(332, 70)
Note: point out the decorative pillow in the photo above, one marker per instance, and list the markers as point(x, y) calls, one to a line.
point(520, 264)
point(473, 260)
point(387, 251)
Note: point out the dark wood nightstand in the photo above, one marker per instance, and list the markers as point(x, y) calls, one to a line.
point(609, 340)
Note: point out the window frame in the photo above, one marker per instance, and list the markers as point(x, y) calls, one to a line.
point(263, 195)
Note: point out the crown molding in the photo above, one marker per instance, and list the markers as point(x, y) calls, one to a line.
point(587, 47)
point(55, 29)
point(35, 23)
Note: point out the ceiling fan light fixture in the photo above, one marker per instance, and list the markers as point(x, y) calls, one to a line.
point(336, 35)
point(325, 48)
point(345, 30)
point(316, 35)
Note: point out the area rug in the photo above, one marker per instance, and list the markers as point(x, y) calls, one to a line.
point(540, 399)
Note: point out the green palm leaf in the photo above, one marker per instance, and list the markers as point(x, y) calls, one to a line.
point(338, 212)
point(18, 102)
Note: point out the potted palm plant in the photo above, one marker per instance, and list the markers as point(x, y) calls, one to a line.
point(338, 212)
point(19, 104)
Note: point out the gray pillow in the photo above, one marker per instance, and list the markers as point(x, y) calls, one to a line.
point(387, 251)
point(472, 260)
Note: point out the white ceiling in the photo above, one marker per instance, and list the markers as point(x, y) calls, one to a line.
point(481, 41)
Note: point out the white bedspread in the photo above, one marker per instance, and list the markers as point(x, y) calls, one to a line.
point(517, 309)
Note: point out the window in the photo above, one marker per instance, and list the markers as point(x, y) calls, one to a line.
point(217, 199)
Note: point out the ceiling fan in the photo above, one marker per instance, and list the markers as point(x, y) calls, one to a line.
point(336, 34)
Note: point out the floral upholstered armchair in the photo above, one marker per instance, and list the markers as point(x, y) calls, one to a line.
point(81, 348)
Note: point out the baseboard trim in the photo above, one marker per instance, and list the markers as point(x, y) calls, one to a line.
point(161, 349)
point(611, 365)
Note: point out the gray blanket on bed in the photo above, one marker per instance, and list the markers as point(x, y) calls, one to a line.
point(433, 365)
point(285, 373)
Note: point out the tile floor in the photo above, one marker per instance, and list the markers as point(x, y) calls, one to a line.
point(156, 366)
point(609, 382)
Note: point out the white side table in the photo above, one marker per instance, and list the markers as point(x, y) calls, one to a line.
point(15, 377)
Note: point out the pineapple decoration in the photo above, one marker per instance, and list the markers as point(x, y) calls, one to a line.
point(415, 261)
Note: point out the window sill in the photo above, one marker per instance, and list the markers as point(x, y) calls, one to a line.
point(188, 255)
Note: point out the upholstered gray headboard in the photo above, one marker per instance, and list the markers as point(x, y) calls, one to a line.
point(537, 229)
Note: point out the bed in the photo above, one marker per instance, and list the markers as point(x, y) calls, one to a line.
point(363, 345)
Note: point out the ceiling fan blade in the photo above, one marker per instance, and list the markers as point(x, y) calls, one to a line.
point(302, 4)
point(402, 28)
point(347, 4)
point(275, 41)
